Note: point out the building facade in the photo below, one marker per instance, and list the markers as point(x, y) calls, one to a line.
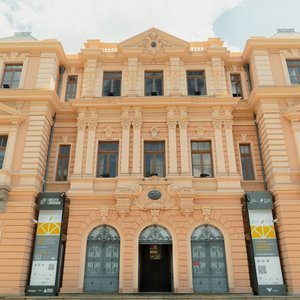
point(154, 141)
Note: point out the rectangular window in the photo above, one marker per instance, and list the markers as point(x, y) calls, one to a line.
point(3, 143)
point(202, 159)
point(71, 87)
point(63, 163)
point(246, 159)
point(154, 157)
point(196, 83)
point(236, 85)
point(294, 71)
point(112, 83)
point(11, 76)
point(153, 83)
point(107, 159)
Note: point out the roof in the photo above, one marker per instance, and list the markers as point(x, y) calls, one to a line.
point(19, 36)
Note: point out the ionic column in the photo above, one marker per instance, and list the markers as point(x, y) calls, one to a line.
point(219, 147)
point(136, 160)
point(230, 147)
point(81, 124)
point(184, 150)
point(296, 130)
point(92, 125)
point(125, 143)
point(10, 148)
point(172, 142)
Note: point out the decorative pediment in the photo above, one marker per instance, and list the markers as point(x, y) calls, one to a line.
point(9, 115)
point(153, 42)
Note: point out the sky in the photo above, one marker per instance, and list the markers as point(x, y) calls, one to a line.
point(72, 22)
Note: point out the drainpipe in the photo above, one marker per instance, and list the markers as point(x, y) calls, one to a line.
point(247, 69)
point(260, 153)
point(61, 73)
point(49, 152)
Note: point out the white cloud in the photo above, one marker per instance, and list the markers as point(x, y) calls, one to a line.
point(73, 21)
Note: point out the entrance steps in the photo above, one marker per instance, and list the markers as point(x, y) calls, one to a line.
point(151, 296)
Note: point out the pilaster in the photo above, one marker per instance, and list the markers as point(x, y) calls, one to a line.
point(228, 122)
point(10, 148)
point(137, 124)
point(81, 125)
point(184, 151)
point(171, 121)
point(132, 73)
point(48, 71)
point(89, 78)
point(125, 143)
point(92, 125)
point(217, 123)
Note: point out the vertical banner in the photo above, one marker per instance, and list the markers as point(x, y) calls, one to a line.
point(264, 244)
point(44, 271)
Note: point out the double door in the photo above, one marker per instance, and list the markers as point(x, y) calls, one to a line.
point(102, 267)
point(209, 267)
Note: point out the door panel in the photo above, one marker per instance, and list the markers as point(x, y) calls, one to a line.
point(102, 267)
point(209, 267)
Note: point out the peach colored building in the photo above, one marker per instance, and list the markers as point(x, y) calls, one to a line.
point(154, 143)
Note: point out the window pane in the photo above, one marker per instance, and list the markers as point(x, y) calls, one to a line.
point(148, 87)
point(107, 165)
point(160, 165)
point(106, 87)
point(117, 87)
point(196, 159)
point(159, 87)
point(63, 163)
point(2, 151)
point(196, 171)
point(191, 86)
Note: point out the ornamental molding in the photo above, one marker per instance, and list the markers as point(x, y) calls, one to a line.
point(206, 214)
point(108, 132)
point(154, 132)
point(104, 214)
point(200, 131)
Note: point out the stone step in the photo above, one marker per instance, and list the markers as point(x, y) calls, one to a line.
point(152, 296)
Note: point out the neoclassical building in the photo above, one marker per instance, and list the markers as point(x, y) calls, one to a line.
point(158, 148)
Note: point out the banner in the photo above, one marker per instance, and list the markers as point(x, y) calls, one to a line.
point(43, 279)
point(264, 244)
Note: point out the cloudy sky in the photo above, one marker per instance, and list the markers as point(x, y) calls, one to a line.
point(73, 21)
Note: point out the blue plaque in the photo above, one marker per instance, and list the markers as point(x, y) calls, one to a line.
point(154, 195)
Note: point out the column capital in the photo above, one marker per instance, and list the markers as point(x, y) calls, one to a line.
point(228, 124)
point(217, 123)
point(81, 124)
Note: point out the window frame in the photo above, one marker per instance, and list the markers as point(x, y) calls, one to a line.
point(3, 148)
point(98, 152)
point(12, 71)
point(111, 93)
point(154, 91)
point(194, 78)
point(296, 66)
point(240, 84)
point(57, 179)
point(74, 92)
point(250, 154)
point(201, 153)
point(154, 152)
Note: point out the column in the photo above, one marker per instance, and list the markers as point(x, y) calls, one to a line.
point(125, 143)
point(230, 147)
point(172, 142)
point(92, 125)
point(184, 150)
point(81, 124)
point(10, 148)
point(296, 130)
point(217, 123)
point(136, 159)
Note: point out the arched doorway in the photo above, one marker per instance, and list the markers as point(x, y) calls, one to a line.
point(208, 260)
point(102, 260)
point(155, 260)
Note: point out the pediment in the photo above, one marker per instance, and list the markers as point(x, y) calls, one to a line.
point(153, 42)
point(8, 114)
